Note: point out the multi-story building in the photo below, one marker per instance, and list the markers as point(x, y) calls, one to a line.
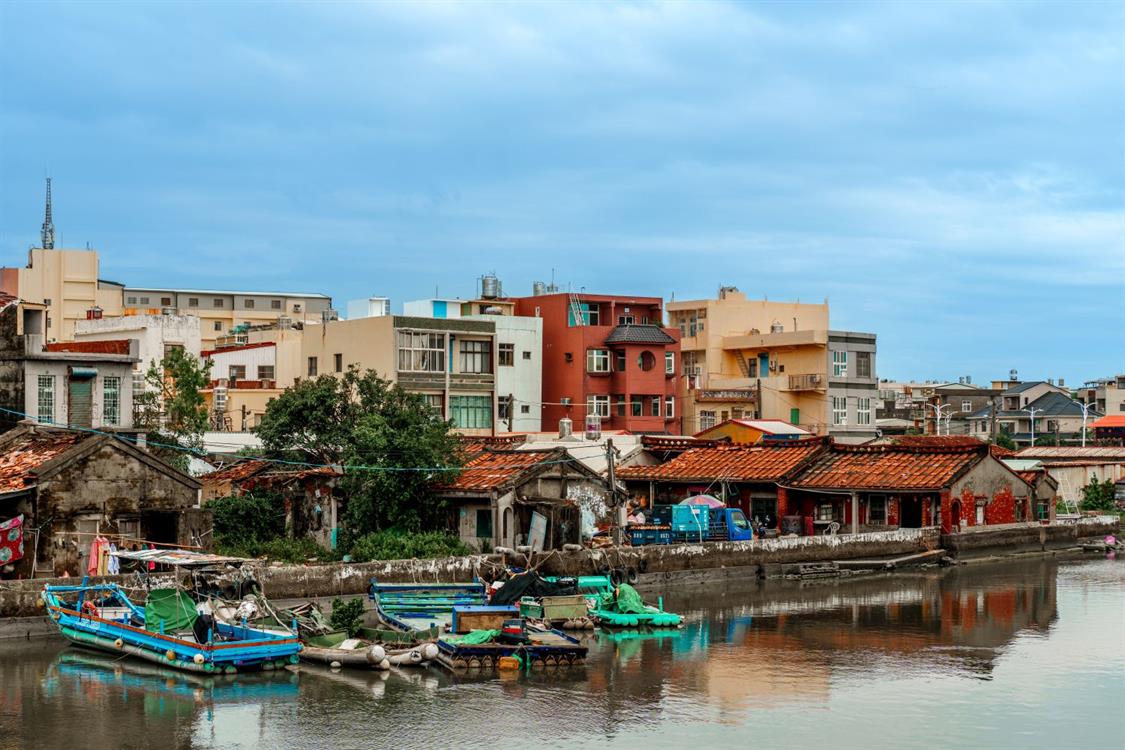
point(156, 335)
point(85, 385)
point(609, 357)
point(243, 382)
point(774, 360)
point(1106, 395)
point(1030, 411)
point(370, 307)
point(920, 404)
point(452, 363)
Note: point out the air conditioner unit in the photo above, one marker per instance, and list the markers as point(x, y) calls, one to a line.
point(297, 308)
point(565, 400)
point(815, 378)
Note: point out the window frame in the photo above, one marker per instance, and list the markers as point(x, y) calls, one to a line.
point(475, 356)
point(863, 410)
point(241, 372)
point(45, 386)
point(669, 407)
point(669, 363)
point(839, 413)
point(111, 407)
point(598, 405)
point(338, 362)
point(506, 355)
point(265, 372)
point(417, 351)
point(839, 363)
point(471, 412)
point(313, 366)
point(862, 364)
point(874, 501)
point(597, 360)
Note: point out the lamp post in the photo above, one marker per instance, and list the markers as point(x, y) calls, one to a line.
point(1032, 411)
point(938, 415)
point(1085, 413)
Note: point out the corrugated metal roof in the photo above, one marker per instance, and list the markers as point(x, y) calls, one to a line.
point(27, 453)
point(116, 346)
point(1077, 453)
point(765, 462)
point(889, 467)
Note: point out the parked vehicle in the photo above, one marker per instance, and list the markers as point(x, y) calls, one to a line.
point(677, 524)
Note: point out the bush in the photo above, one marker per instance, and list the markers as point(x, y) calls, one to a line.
point(392, 544)
point(283, 549)
point(347, 615)
point(1098, 495)
point(246, 520)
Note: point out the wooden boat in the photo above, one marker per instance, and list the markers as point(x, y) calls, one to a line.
point(414, 608)
point(169, 629)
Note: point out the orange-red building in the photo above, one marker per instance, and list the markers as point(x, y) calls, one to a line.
point(609, 356)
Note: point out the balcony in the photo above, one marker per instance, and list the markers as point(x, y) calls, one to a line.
point(810, 382)
point(727, 395)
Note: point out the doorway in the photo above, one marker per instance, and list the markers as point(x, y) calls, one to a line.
point(910, 513)
point(955, 515)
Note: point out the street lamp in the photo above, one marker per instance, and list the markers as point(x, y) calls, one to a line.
point(1085, 413)
point(938, 415)
point(1032, 411)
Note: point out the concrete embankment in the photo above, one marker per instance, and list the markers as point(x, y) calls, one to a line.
point(654, 565)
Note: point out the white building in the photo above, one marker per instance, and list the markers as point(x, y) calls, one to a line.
point(372, 307)
point(519, 371)
point(155, 335)
point(249, 362)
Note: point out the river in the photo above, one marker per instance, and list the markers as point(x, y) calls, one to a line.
point(1027, 655)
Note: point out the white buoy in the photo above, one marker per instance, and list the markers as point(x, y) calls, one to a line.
point(376, 654)
point(335, 665)
point(429, 651)
point(198, 658)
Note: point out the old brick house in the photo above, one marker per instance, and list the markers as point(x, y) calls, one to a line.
point(71, 486)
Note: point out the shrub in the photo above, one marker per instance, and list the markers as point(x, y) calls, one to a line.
point(347, 615)
point(245, 520)
point(1098, 495)
point(392, 544)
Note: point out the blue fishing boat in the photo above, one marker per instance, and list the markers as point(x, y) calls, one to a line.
point(471, 634)
point(169, 628)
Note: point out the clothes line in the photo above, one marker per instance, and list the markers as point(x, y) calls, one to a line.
point(127, 538)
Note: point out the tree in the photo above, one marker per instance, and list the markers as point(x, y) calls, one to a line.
point(1098, 495)
point(1004, 440)
point(392, 444)
point(171, 409)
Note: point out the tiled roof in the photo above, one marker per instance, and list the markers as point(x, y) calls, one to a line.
point(30, 451)
point(238, 348)
point(492, 469)
point(236, 472)
point(472, 445)
point(675, 442)
point(7, 300)
point(638, 334)
point(1052, 404)
point(889, 467)
point(1111, 420)
point(1074, 452)
point(1024, 387)
point(765, 462)
point(1031, 476)
point(940, 441)
point(117, 346)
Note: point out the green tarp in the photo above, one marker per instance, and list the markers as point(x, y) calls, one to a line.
point(629, 602)
point(473, 637)
point(172, 607)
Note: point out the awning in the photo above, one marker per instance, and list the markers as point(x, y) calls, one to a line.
point(83, 372)
point(180, 558)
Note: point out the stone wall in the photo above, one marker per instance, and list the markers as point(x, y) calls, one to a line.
point(1027, 537)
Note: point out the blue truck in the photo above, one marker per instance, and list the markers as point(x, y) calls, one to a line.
point(675, 524)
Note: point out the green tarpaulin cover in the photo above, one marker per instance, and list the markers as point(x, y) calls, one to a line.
point(473, 637)
point(629, 601)
point(172, 607)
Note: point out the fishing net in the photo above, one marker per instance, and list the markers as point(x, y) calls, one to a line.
point(170, 609)
point(629, 601)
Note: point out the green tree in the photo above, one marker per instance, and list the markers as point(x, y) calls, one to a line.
point(171, 409)
point(393, 445)
point(1004, 440)
point(1098, 495)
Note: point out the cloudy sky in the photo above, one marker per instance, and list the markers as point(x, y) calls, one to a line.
point(949, 175)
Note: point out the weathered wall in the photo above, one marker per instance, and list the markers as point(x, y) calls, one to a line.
point(1027, 536)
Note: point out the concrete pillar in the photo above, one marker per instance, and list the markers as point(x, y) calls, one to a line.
point(855, 512)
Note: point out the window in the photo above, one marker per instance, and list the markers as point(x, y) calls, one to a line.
point(338, 362)
point(597, 360)
point(130, 300)
point(525, 409)
point(527, 355)
point(669, 407)
point(421, 352)
point(619, 360)
point(248, 304)
point(166, 301)
point(646, 361)
point(506, 354)
point(625, 320)
point(111, 400)
point(597, 406)
point(620, 401)
point(46, 399)
point(706, 420)
point(433, 400)
point(484, 523)
point(237, 372)
point(275, 304)
point(590, 312)
point(265, 372)
point(476, 356)
point(862, 364)
point(144, 300)
point(312, 367)
point(877, 509)
point(218, 302)
point(471, 412)
point(840, 364)
point(654, 406)
point(839, 410)
point(863, 411)
point(827, 512)
point(669, 363)
point(503, 407)
point(636, 406)
point(966, 406)
point(218, 325)
point(193, 301)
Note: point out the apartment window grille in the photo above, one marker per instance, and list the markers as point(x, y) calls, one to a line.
point(265, 372)
point(839, 410)
point(193, 302)
point(166, 301)
point(248, 304)
point(338, 362)
point(598, 406)
point(312, 367)
point(275, 304)
point(476, 356)
point(130, 300)
point(669, 363)
point(863, 411)
point(840, 364)
point(421, 352)
point(219, 302)
point(471, 412)
point(144, 300)
point(862, 364)
point(506, 354)
point(597, 360)
point(46, 398)
point(706, 419)
point(111, 400)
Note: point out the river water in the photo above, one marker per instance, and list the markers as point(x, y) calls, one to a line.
point(1024, 655)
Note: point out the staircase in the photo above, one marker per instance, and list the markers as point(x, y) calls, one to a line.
point(743, 365)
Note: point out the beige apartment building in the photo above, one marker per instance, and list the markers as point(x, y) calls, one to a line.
point(746, 358)
point(66, 283)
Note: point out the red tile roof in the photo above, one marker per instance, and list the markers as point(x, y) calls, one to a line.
point(1109, 420)
point(25, 454)
point(6, 300)
point(1031, 476)
point(236, 472)
point(764, 462)
point(473, 445)
point(675, 442)
point(492, 469)
point(889, 467)
point(940, 441)
point(238, 348)
point(116, 346)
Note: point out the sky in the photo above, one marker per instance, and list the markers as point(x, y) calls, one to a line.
point(948, 175)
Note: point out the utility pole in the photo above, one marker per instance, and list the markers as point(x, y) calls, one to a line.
point(511, 408)
point(617, 505)
point(1085, 414)
point(1032, 411)
point(758, 411)
point(992, 418)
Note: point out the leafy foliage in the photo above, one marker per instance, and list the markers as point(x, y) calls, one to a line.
point(361, 420)
point(172, 408)
point(1004, 440)
point(347, 615)
point(392, 544)
point(243, 520)
point(1098, 495)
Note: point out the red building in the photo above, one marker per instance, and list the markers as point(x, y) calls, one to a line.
point(610, 356)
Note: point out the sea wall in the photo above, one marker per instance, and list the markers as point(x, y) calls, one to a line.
point(1027, 537)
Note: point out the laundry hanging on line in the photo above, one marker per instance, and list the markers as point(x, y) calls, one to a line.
point(11, 540)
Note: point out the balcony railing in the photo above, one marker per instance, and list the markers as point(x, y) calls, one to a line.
point(728, 394)
point(811, 382)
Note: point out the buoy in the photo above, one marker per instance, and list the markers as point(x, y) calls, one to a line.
point(119, 643)
point(429, 651)
point(198, 658)
point(40, 603)
point(335, 665)
point(170, 655)
point(376, 654)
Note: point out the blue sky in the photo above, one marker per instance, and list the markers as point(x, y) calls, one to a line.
point(949, 175)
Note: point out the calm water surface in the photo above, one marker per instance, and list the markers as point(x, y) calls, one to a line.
point(1020, 656)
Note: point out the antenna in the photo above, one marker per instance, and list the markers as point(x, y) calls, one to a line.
point(47, 234)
